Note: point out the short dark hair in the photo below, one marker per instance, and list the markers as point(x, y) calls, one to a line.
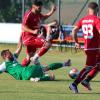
point(93, 5)
point(3, 52)
point(38, 3)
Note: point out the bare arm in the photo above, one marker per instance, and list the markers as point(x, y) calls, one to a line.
point(74, 35)
point(53, 9)
point(19, 47)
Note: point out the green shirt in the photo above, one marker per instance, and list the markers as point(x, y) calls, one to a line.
point(19, 72)
point(23, 73)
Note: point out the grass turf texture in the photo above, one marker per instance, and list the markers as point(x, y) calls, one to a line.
point(11, 89)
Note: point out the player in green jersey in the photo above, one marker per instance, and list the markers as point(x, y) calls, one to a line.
point(31, 72)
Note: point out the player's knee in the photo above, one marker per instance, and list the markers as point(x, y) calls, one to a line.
point(47, 45)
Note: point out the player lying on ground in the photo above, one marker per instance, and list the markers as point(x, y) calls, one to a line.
point(30, 30)
point(32, 72)
point(90, 25)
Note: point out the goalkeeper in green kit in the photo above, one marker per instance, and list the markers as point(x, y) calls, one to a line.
point(32, 72)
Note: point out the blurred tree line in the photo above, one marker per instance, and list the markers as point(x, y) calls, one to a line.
point(11, 10)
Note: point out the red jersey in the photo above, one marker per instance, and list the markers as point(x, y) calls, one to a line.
point(90, 25)
point(32, 21)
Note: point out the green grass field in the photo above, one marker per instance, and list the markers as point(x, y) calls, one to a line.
point(11, 89)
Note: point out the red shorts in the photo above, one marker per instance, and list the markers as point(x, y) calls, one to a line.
point(32, 42)
point(98, 58)
point(91, 57)
point(32, 45)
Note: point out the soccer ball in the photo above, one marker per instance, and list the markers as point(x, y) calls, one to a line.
point(73, 73)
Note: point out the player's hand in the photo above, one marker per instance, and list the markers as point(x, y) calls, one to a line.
point(53, 8)
point(77, 45)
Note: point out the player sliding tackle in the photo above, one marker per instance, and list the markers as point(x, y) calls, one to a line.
point(31, 72)
point(90, 25)
point(30, 30)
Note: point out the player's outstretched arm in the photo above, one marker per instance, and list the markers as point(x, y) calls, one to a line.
point(53, 9)
point(19, 47)
point(74, 36)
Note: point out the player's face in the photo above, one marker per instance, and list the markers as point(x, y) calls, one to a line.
point(8, 55)
point(91, 11)
point(38, 9)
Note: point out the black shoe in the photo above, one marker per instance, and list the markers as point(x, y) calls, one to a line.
point(86, 85)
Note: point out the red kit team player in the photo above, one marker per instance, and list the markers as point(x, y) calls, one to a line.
point(30, 29)
point(90, 25)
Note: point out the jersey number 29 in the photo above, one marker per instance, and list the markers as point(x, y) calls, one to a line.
point(88, 31)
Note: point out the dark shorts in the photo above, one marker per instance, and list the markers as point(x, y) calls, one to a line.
point(92, 57)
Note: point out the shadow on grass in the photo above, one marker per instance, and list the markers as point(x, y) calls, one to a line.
point(90, 93)
point(63, 80)
point(49, 92)
point(71, 80)
point(95, 81)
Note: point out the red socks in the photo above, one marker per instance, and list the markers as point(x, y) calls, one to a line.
point(42, 51)
point(25, 62)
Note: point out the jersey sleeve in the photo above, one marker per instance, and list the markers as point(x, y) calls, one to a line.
point(27, 19)
point(2, 67)
point(79, 24)
point(97, 23)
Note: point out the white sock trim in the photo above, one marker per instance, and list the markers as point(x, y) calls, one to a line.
point(36, 56)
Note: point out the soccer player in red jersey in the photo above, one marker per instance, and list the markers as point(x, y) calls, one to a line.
point(90, 25)
point(30, 29)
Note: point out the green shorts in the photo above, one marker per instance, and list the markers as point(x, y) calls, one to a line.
point(32, 71)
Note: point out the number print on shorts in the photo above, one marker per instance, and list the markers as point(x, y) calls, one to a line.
point(88, 31)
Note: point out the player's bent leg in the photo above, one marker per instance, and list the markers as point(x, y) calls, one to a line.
point(55, 66)
point(41, 52)
point(80, 77)
point(26, 61)
point(30, 52)
point(90, 62)
point(90, 76)
point(92, 73)
point(83, 74)
point(44, 49)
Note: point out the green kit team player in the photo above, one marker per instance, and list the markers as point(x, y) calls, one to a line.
point(31, 72)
